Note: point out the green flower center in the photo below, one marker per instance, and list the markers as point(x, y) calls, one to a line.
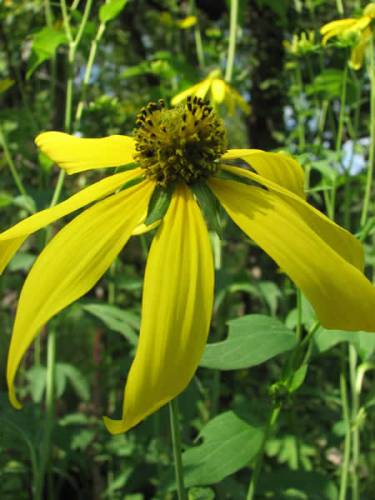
point(181, 144)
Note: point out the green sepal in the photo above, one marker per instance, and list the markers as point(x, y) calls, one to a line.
point(230, 176)
point(133, 182)
point(159, 203)
point(126, 167)
point(209, 205)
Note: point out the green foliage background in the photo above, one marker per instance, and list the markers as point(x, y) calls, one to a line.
point(296, 99)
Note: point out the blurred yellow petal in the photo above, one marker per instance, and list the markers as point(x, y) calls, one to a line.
point(176, 312)
point(13, 238)
point(71, 264)
point(341, 296)
point(75, 154)
point(199, 90)
point(277, 167)
point(218, 90)
point(187, 22)
point(143, 228)
point(358, 52)
point(338, 25)
point(335, 236)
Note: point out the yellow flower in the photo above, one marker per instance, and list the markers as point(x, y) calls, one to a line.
point(217, 90)
point(355, 31)
point(180, 151)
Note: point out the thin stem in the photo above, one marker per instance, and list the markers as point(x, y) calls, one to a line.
point(88, 70)
point(370, 170)
point(50, 413)
point(232, 40)
point(348, 441)
point(356, 448)
point(339, 137)
point(300, 118)
point(340, 7)
point(11, 165)
point(176, 444)
point(260, 457)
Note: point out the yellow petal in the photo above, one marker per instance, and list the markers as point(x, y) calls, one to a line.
point(75, 154)
point(335, 236)
point(341, 296)
point(337, 26)
point(218, 90)
point(176, 312)
point(13, 238)
point(199, 90)
point(71, 264)
point(358, 52)
point(277, 167)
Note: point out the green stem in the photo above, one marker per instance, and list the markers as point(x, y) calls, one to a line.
point(370, 170)
point(300, 118)
point(346, 418)
point(232, 40)
point(356, 448)
point(176, 444)
point(88, 70)
point(11, 165)
point(260, 457)
point(50, 413)
point(340, 7)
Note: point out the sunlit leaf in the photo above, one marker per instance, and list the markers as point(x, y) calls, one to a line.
point(229, 444)
point(252, 340)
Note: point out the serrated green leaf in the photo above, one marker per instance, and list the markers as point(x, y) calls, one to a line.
point(44, 45)
point(111, 9)
point(251, 340)
point(116, 319)
point(77, 380)
point(159, 203)
point(209, 205)
point(37, 379)
point(229, 443)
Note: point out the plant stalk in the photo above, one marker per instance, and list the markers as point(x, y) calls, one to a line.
point(176, 444)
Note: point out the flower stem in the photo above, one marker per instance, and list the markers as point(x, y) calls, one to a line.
point(356, 447)
point(50, 414)
point(274, 414)
point(176, 444)
point(12, 167)
point(370, 170)
point(348, 440)
point(232, 40)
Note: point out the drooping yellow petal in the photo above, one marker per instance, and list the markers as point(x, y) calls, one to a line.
point(335, 236)
point(13, 238)
point(176, 312)
point(199, 90)
point(75, 154)
point(71, 264)
point(341, 296)
point(334, 28)
point(277, 167)
point(218, 90)
point(358, 52)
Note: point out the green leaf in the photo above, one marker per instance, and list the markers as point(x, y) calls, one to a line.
point(298, 377)
point(364, 342)
point(297, 484)
point(159, 203)
point(209, 205)
point(116, 319)
point(5, 84)
point(44, 45)
point(77, 380)
point(229, 444)
point(111, 9)
point(37, 379)
point(252, 340)
point(5, 199)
